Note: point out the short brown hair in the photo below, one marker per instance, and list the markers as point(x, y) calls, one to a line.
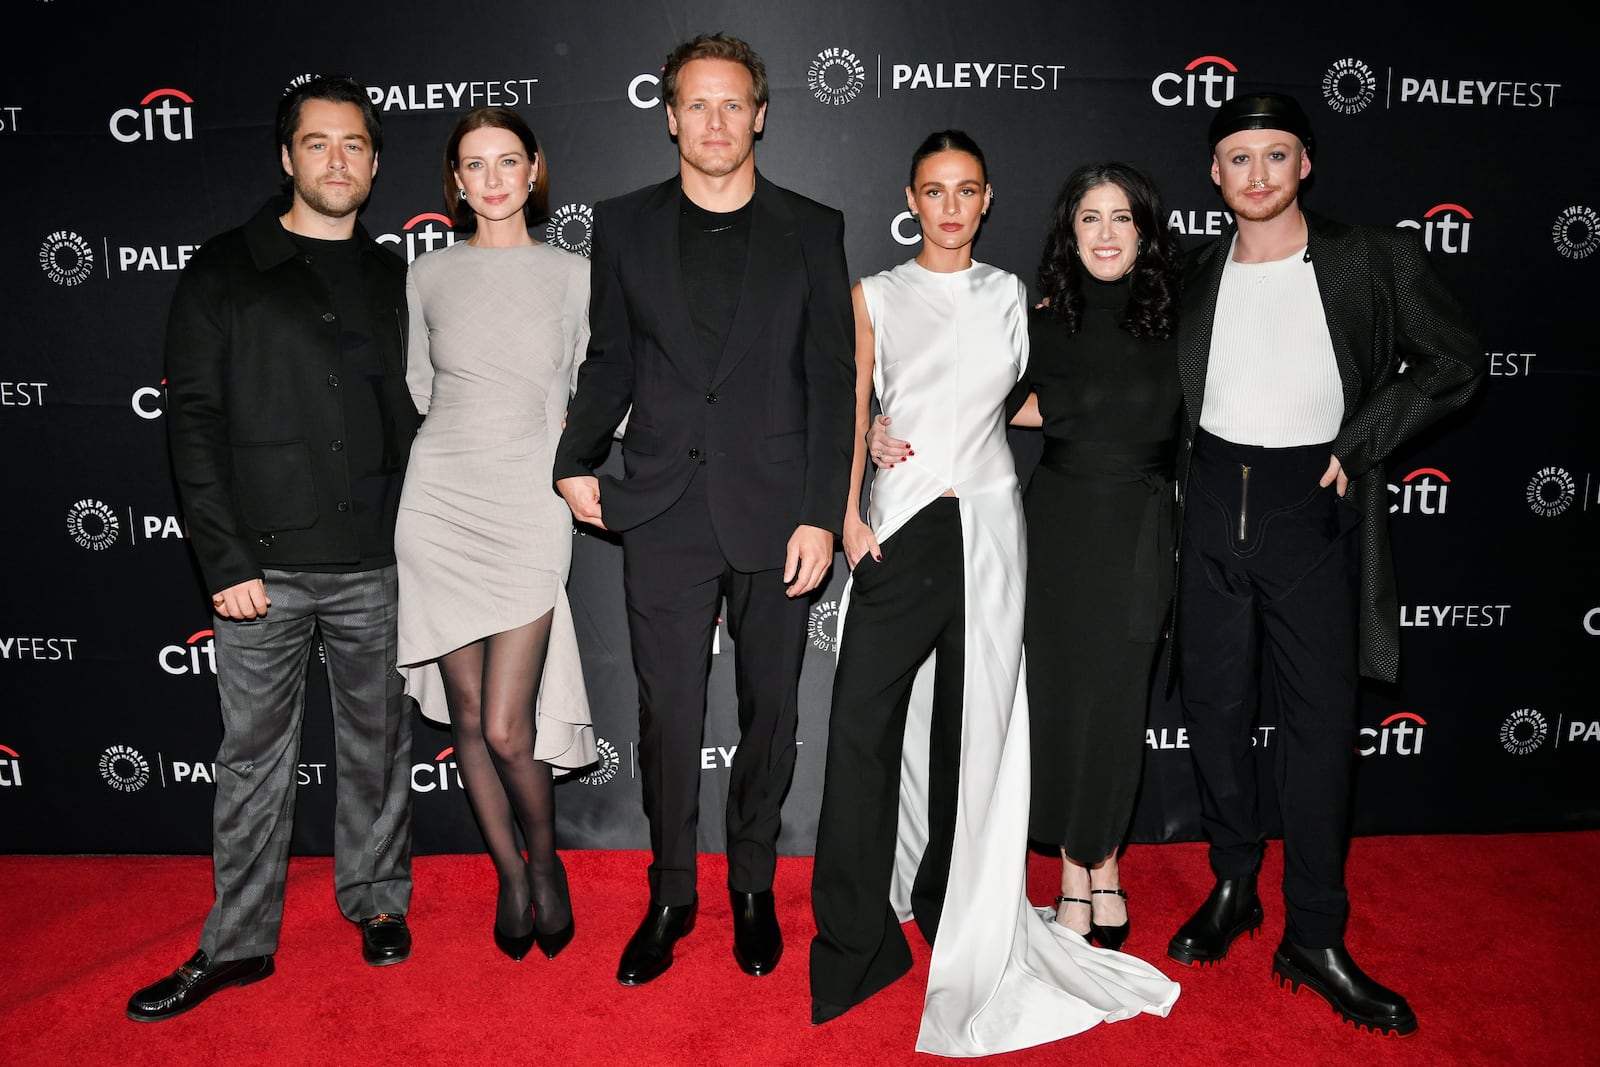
point(536, 209)
point(713, 46)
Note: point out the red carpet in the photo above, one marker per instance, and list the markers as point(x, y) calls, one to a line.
point(1494, 940)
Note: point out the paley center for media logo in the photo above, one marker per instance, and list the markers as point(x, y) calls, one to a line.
point(610, 762)
point(1525, 731)
point(93, 524)
point(163, 114)
point(66, 258)
point(1350, 86)
point(571, 227)
point(1576, 232)
point(1552, 491)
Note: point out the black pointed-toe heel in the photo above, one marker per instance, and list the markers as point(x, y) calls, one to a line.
point(551, 944)
point(1075, 900)
point(515, 945)
point(1111, 937)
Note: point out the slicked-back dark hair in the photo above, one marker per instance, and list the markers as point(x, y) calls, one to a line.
point(334, 88)
point(1152, 309)
point(713, 46)
point(945, 141)
point(536, 208)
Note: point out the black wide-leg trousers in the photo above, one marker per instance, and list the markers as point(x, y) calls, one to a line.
point(900, 610)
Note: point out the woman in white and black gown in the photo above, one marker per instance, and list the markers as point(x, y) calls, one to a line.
point(925, 799)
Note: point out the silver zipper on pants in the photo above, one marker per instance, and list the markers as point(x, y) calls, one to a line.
point(1244, 497)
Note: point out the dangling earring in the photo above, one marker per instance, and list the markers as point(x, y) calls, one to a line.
point(461, 194)
point(530, 185)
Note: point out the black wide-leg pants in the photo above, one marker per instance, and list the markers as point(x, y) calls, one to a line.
point(900, 610)
point(1269, 580)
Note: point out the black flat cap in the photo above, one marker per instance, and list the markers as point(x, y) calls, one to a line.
point(1261, 111)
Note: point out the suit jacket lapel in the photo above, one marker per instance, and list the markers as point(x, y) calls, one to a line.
point(773, 244)
point(1199, 312)
point(1330, 261)
point(661, 246)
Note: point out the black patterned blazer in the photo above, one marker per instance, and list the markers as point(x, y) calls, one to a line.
point(1386, 309)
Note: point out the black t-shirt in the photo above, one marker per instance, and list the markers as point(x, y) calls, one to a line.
point(713, 247)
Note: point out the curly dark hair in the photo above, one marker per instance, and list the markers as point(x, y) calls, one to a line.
point(1152, 309)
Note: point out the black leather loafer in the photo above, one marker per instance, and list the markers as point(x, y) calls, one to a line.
point(1333, 975)
point(385, 939)
point(1233, 908)
point(757, 941)
point(649, 951)
point(193, 982)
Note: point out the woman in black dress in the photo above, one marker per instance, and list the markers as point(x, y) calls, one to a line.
point(1102, 383)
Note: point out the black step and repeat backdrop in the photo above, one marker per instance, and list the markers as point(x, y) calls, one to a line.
point(131, 135)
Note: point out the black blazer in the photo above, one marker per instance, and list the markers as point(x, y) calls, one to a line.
point(772, 426)
point(252, 362)
point(1384, 306)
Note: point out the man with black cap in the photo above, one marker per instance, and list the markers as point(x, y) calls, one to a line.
point(1310, 350)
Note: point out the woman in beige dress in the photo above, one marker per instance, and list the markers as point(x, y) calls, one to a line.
point(499, 323)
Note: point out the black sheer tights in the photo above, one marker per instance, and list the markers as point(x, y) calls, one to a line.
point(491, 686)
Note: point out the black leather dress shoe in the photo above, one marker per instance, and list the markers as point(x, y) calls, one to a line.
point(1233, 908)
point(1334, 976)
point(649, 950)
point(192, 983)
point(757, 941)
point(385, 939)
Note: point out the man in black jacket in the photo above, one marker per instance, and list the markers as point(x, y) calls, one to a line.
point(289, 425)
point(720, 312)
point(1310, 350)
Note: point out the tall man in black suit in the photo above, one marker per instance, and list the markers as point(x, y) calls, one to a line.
point(1311, 349)
point(720, 311)
point(290, 424)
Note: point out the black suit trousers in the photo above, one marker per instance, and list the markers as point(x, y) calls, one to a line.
point(1269, 581)
point(675, 578)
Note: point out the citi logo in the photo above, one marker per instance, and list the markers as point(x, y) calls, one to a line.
point(644, 91)
point(1445, 228)
point(197, 655)
point(164, 114)
point(1207, 80)
point(439, 776)
point(1398, 735)
point(147, 401)
point(1423, 491)
point(10, 767)
point(421, 233)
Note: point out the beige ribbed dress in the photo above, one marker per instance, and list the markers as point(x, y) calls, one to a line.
point(483, 542)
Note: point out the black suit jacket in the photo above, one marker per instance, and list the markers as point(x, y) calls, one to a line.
point(772, 425)
point(1385, 307)
point(255, 419)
